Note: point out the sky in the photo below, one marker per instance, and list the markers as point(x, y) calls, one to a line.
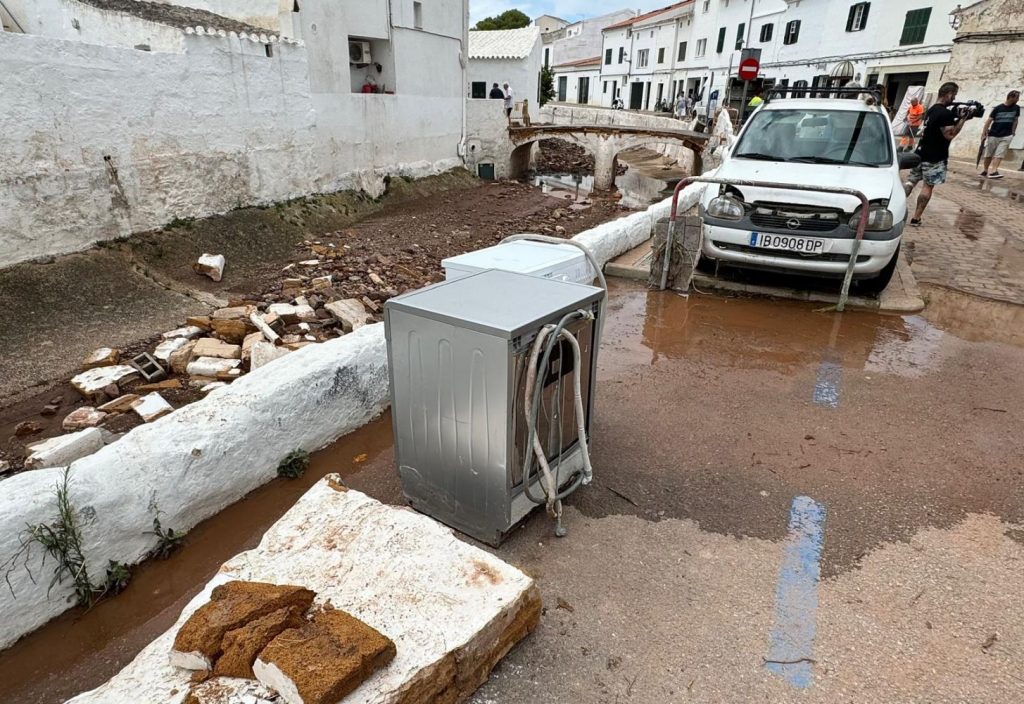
point(570, 10)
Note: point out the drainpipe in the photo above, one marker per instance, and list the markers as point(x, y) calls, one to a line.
point(464, 62)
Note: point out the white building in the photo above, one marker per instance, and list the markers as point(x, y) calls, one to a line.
point(549, 23)
point(580, 40)
point(121, 117)
point(510, 56)
point(578, 81)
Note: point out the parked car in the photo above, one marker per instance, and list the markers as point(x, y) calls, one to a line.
point(820, 141)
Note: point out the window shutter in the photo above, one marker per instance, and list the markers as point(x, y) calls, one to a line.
point(849, 18)
point(682, 51)
point(864, 15)
point(721, 40)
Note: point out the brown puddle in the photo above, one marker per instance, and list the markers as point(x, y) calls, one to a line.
point(80, 650)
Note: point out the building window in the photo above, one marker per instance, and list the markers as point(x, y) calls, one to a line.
point(858, 17)
point(268, 49)
point(547, 56)
point(721, 40)
point(682, 51)
point(739, 34)
point(661, 55)
point(799, 93)
point(607, 56)
point(702, 47)
point(915, 26)
point(766, 32)
point(622, 54)
point(417, 15)
point(641, 58)
point(479, 90)
point(707, 6)
point(605, 88)
point(792, 32)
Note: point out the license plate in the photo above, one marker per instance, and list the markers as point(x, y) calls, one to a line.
point(803, 245)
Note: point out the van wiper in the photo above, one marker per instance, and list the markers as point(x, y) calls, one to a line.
point(829, 160)
point(758, 155)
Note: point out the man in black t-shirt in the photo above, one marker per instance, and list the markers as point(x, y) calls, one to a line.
point(496, 93)
point(940, 127)
point(1000, 129)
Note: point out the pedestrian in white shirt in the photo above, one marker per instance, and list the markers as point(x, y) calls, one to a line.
point(508, 101)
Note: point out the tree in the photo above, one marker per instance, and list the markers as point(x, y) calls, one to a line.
point(547, 85)
point(509, 19)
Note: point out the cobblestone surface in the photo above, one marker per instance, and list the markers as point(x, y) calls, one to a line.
point(972, 237)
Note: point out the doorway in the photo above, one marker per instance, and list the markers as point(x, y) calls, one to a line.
point(583, 91)
point(636, 96)
point(563, 83)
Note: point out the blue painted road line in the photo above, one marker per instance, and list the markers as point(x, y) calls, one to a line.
point(791, 650)
point(826, 388)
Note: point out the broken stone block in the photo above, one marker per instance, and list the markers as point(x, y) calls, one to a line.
point(164, 350)
point(232, 331)
point(5, 466)
point(199, 321)
point(26, 428)
point(232, 605)
point(64, 449)
point(210, 347)
point(370, 304)
point(212, 386)
point(93, 382)
point(189, 332)
point(264, 353)
point(241, 646)
point(292, 313)
point(324, 659)
point(377, 281)
point(211, 366)
point(247, 343)
point(152, 406)
point(164, 385)
point(103, 357)
point(180, 358)
point(349, 312)
point(50, 409)
point(211, 265)
point(84, 417)
point(232, 313)
point(121, 404)
point(322, 282)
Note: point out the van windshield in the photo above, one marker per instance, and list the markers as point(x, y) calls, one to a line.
point(858, 138)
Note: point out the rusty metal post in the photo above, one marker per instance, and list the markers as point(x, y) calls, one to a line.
point(862, 223)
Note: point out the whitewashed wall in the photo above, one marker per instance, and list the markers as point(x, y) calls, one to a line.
point(100, 142)
point(57, 19)
point(487, 140)
point(523, 75)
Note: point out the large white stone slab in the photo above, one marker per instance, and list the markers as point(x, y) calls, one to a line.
point(64, 449)
point(452, 609)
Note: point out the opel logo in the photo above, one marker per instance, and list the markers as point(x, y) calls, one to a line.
point(793, 224)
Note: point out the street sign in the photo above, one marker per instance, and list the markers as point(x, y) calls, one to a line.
point(749, 68)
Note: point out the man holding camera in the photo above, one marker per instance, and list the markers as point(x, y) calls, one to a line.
point(1000, 129)
point(941, 125)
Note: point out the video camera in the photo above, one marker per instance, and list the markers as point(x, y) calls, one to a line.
point(969, 109)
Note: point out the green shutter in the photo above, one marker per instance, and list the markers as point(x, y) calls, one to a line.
point(915, 26)
point(721, 40)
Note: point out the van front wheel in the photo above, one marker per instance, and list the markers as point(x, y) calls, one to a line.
point(875, 285)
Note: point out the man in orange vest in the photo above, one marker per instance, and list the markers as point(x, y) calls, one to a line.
point(915, 116)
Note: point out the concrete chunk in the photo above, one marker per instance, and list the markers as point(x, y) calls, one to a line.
point(264, 353)
point(152, 406)
point(210, 347)
point(211, 265)
point(93, 382)
point(84, 417)
point(180, 357)
point(292, 313)
point(64, 449)
point(188, 332)
point(211, 366)
point(121, 404)
point(232, 313)
point(324, 659)
point(103, 357)
point(166, 348)
point(350, 312)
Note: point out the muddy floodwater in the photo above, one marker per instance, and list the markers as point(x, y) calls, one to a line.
point(708, 409)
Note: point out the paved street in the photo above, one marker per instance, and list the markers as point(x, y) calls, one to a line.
point(971, 238)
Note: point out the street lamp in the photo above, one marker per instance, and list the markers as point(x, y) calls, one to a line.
point(956, 18)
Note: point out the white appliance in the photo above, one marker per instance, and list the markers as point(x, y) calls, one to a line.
point(559, 262)
point(359, 52)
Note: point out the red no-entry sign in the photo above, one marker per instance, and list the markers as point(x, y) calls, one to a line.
point(749, 68)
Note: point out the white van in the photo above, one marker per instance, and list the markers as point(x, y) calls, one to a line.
point(823, 142)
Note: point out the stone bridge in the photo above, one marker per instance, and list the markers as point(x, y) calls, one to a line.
point(604, 142)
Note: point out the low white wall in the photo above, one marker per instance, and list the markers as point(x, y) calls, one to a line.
point(188, 465)
point(487, 140)
point(203, 457)
point(562, 114)
point(101, 142)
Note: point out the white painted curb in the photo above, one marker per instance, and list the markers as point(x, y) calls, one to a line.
point(194, 462)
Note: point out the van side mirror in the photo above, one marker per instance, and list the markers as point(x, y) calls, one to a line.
point(907, 160)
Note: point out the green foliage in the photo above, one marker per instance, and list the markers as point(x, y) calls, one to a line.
point(294, 464)
point(167, 540)
point(509, 19)
point(118, 576)
point(547, 85)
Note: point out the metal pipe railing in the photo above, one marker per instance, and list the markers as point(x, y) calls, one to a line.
point(862, 223)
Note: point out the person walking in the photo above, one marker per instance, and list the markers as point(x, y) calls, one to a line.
point(689, 103)
point(496, 93)
point(508, 101)
point(941, 126)
point(681, 111)
point(915, 116)
point(999, 131)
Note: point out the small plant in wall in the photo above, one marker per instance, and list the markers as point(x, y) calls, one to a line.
point(167, 541)
point(61, 540)
point(294, 464)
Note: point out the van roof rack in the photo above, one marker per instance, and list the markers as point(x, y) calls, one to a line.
point(823, 92)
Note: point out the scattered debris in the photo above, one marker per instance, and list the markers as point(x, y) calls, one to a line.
point(189, 332)
point(5, 466)
point(212, 386)
point(211, 366)
point(565, 605)
point(94, 383)
point(121, 404)
point(211, 347)
point(349, 312)
point(232, 313)
point(148, 367)
point(50, 409)
point(264, 327)
point(166, 348)
point(180, 358)
point(103, 357)
point(211, 265)
point(64, 449)
point(294, 464)
point(164, 385)
point(84, 417)
point(152, 406)
point(234, 330)
point(26, 428)
point(263, 353)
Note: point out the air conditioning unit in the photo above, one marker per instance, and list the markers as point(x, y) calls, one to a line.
point(359, 52)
